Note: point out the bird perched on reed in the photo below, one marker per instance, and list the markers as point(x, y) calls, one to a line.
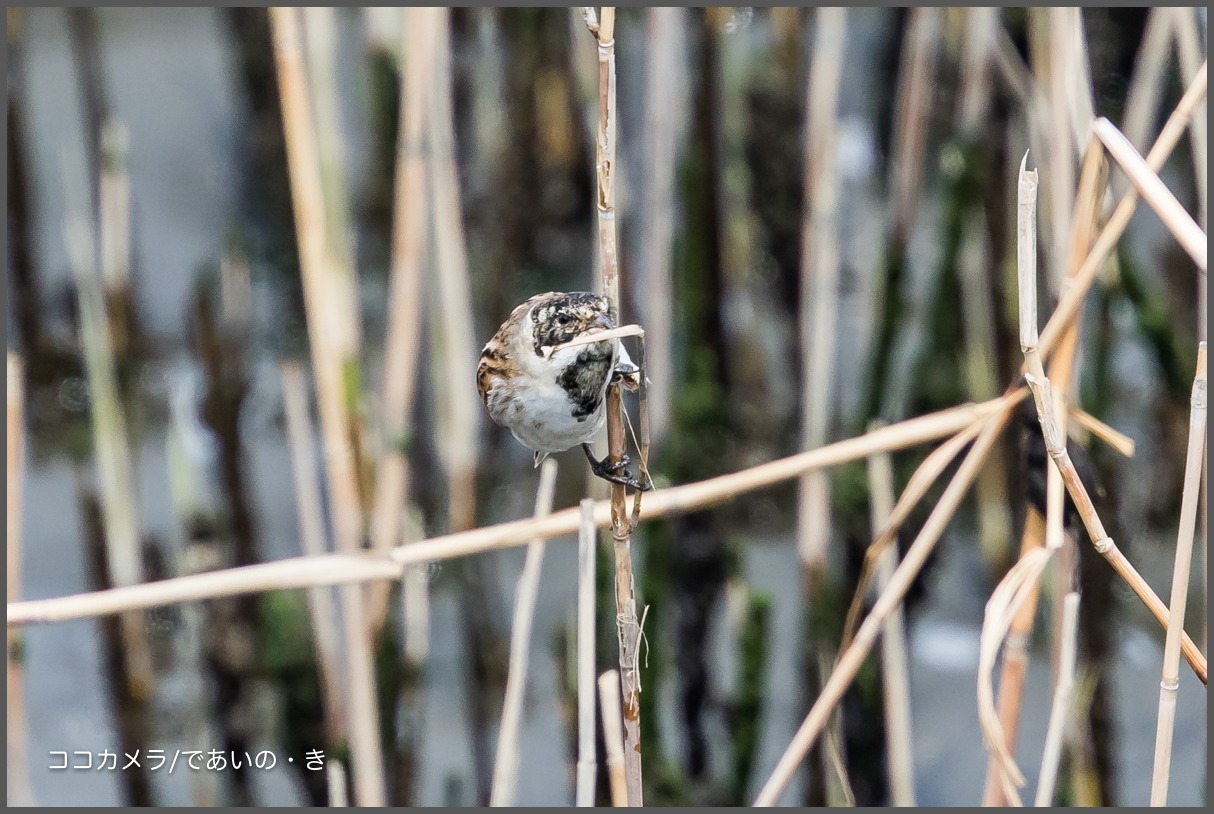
point(552, 397)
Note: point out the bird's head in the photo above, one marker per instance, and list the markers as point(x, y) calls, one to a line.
point(557, 318)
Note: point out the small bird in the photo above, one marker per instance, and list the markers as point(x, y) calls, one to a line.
point(552, 398)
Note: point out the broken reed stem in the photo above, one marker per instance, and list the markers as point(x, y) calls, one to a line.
point(1179, 222)
point(312, 536)
point(1054, 440)
point(895, 683)
point(587, 768)
point(330, 367)
point(341, 567)
point(1170, 681)
point(853, 657)
point(613, 736)
point(1015, 662)
point(621, 532)
point(402, 344)
point(20, 793)
point(506, 762)
point(1060, 709)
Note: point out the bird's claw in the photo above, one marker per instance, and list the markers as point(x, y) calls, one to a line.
point(615, 471)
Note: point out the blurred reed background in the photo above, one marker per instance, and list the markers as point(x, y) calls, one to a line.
point(817, 226)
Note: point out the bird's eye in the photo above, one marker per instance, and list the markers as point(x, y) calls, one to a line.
point(563, 319)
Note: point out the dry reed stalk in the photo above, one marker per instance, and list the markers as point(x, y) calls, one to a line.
point(342, 567)
point(1015, 661)
point(1179, 222)
point(331, 369)
point(613, 736)
point(505, 771)
point(111, 450)
point(319, 29)
point(335, 773)
point(1002, 609)
point(312, 536)
point(981, 378)
point(403, 340)
point(657, 238)
point(587, 768)
point(981, 30)
point(1052, 71)
point(1085, 214)
point(819, 276)
point(1073, 49)
point(1068, 304)
point(1061, 704)
point(895, 683)
point(921, 479)
point(977, 310)
point(459, 412)
point(853, 656)
point(629, 628)
point(920, 47)
point(114, 215)
point(1056, 446)
point(1170, 682)
point(1188, 53)
point(20, 793)
point(1147, 81)
point(1020, 81)
point(1120, 442)
point(457, 409)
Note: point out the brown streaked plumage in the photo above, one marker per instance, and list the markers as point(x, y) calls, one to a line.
point(554, 400)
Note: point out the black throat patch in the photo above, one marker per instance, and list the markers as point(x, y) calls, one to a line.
point(583, 380)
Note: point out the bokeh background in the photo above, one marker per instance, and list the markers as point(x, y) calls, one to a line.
point(181, 109)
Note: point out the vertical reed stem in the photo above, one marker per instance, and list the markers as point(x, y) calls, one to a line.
point(613, 736)
point(331, 369)
point(402, 344)
point(587, 768)
point(628, 627)
point(1062, 700)
point(20, 793)
point(312, 536)
point(895, 682)
point(1170, 682)
point(505, 771)
point(111, 448)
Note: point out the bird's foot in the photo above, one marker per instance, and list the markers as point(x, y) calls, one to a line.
point(615, 471)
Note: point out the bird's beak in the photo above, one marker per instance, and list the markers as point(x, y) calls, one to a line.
point(603, 321)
